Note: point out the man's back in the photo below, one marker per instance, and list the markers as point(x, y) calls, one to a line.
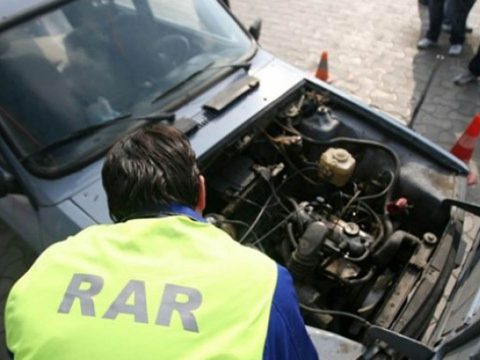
point(168, 288)
point(164, 286)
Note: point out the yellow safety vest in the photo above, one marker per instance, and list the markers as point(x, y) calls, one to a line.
point(164, 288)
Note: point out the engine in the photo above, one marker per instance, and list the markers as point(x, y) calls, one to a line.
point(315, 196)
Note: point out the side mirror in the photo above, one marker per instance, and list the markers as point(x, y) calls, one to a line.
point(8, 184)
point(255, 28)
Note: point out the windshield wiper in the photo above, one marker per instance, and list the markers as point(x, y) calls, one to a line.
point(209, 66)
point(85, 132)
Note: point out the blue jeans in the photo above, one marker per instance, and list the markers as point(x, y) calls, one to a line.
point(448, 12)
point(459, 10)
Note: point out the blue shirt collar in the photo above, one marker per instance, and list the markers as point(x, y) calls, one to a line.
point(165, 210)
point(178, 209)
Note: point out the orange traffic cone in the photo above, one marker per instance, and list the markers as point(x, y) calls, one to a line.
point(322, 69)
point(463, 148)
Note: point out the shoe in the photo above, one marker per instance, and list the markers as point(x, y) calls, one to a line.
point(426, 43)
point(464, 79)
point(455, 50)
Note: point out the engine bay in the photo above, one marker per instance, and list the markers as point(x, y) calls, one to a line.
point(345, 214)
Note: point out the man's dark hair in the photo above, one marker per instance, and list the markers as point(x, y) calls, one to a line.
point(150, 168)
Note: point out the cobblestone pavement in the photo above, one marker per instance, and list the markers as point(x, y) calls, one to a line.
point(373, 55)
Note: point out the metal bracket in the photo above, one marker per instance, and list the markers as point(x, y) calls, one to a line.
point(468, 207)
point(411, 348)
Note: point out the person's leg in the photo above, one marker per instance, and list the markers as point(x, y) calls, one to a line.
point(461, 9)
point(474, 65)
point(473, 72)
point(448, 12)
point(435, 10)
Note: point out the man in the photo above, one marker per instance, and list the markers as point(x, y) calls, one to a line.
point(460, 11)
point(473, 72)
point(161, 283)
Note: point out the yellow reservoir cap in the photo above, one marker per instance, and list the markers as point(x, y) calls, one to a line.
point(336, 166)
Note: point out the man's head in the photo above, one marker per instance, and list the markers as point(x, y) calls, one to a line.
point(150, 168)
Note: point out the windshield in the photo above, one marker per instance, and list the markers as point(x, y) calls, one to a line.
point(92, 61)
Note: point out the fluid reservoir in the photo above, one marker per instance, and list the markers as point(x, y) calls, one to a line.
point(320, 125)
point(336, 166)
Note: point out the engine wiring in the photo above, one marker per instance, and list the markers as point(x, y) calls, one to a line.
point(360, 319)
point(246, 200)
point(270, 198)
point(287, 191)
point(384, 192)
point(291, 236)
point(282, 151)
point(237, 222)
point(274, 195)
point(364, 142)
point(367, 277)
point(272, 230)
point(362, 205)
point(349, 203)
point(361, 258)
point(370, 143)
point(268, 180)
point(354, 206)
point(257, 219)
point(356, 200)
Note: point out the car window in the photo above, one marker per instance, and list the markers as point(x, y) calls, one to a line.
point(125, 3)
point(183, 11)
point(88, 62)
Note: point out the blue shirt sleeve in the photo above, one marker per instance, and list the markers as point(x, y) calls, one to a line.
point(287, 338)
